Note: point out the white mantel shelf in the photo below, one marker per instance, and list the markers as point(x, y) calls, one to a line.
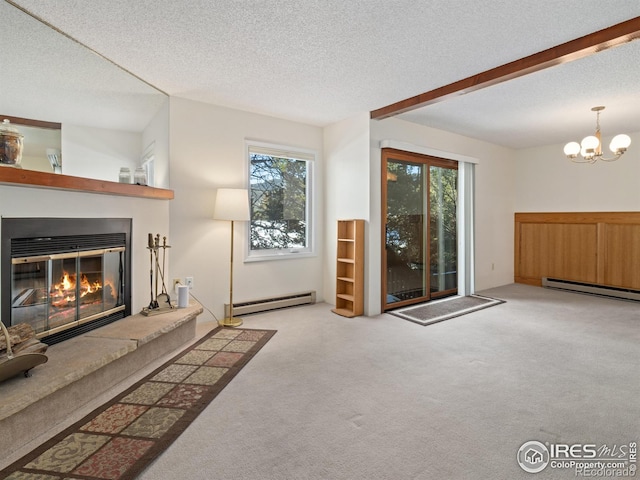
point(30, 178)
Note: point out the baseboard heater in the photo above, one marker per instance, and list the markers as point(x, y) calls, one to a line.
point(274, 303)
point(591, 288)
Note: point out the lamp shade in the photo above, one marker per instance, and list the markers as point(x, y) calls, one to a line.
point(232, 204)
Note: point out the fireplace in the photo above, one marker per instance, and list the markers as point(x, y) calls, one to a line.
point(65, 276)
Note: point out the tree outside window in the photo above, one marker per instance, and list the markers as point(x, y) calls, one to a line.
point(280, 201)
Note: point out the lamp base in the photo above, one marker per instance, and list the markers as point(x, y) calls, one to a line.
point(230, 322)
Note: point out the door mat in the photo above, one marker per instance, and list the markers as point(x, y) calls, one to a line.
point(439, 310)
point(121, 438)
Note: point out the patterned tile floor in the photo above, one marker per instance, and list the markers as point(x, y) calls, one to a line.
point(117, 441)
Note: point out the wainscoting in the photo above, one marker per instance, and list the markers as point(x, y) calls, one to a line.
point(592, 247)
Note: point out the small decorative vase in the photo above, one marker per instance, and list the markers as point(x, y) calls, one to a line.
point(11, 143)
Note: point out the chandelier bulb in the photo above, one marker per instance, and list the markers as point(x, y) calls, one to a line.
point(572, 149)
point(590, 143)
point(620, 143)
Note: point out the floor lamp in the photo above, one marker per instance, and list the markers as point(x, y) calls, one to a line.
point(231, 204)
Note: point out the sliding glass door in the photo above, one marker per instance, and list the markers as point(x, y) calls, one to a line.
point(419, 217)
point(443, 238)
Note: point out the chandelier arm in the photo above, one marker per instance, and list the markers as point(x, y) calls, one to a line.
point(581, 159)
point(612, 159)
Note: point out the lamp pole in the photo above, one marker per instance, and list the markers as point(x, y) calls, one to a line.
point(231, 321)
point(232, 204)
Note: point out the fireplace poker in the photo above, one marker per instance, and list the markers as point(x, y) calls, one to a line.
point(156, 247)
point(152, 303)
point(164, 296)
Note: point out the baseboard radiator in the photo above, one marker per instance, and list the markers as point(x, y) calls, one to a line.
point(591, 288)
point(266, 304)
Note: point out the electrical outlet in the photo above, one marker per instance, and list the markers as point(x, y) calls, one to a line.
point(176, 282)
point(189, 282)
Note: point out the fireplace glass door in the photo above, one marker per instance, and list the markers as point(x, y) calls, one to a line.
point(55, 292)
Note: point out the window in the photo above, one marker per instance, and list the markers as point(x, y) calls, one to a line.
point(148, 160)
point(280, 180)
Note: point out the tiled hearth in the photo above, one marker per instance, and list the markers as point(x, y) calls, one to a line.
point(83, 368)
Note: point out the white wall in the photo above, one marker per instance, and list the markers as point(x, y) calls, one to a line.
point(157, 133)
point(149, 216)
point(36, 142)
point(38, 163)
point(546, 181)
point(99, 153)
point(346, 149)
point(207, 152)
point(494, 199)
point(353, 190)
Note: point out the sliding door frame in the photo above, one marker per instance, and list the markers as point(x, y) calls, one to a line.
point(410, 157)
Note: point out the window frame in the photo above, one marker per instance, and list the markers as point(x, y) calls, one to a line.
point(295, 153)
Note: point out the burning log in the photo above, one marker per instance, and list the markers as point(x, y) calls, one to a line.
point(63, 294)
point(69, 302)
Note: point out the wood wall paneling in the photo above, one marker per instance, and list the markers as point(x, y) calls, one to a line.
point(601, 248)
point(622, 255)
point(559, 251)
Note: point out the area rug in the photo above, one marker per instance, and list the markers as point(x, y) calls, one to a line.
point(119, 439)
point(450, 307)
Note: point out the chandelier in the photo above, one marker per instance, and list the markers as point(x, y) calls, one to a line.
point(590, 149)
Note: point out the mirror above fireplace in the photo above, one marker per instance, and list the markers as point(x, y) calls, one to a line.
point(109, 118)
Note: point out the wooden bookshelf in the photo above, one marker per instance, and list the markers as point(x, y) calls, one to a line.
point(350, 269)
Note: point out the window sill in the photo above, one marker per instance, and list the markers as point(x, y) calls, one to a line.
point(278, 256)
point(31, 178)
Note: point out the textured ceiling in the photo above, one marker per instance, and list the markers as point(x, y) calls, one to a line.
point(46, 76)
point(320, 61)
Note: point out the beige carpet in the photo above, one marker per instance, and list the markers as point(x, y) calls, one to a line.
point(120, 438)
point(379, 398)
point(334, 398)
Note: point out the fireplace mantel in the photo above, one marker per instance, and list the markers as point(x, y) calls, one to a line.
point(32, 178)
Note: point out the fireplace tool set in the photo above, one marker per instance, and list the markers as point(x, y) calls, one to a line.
point(161, 302)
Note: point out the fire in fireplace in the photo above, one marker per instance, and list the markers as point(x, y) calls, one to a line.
point(65, 276)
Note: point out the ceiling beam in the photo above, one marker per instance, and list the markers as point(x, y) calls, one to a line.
point(610, 37)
